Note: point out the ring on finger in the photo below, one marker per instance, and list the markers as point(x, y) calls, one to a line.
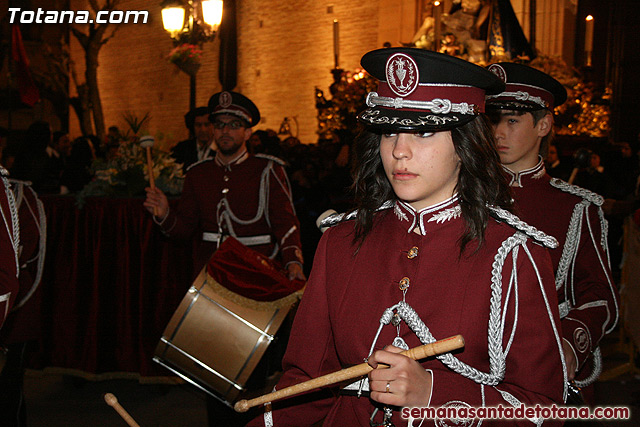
point(388, 387)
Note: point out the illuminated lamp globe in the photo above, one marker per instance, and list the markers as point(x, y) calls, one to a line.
point(212, 12)
point(173, 19)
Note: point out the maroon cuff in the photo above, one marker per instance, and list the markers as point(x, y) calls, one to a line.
point(577, 334)
point(291, 254)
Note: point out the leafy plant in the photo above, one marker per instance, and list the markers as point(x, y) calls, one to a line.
point(126, 174)
point(185, 54)
point(135, 124)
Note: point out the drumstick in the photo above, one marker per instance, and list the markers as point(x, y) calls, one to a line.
point(113, 402)
point(443, 346)
point(147, 142)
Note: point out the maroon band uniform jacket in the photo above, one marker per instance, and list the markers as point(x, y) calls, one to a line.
point(501, 299)
point(249, 199)
point(587, 295)
point(9, 244)
point(23, 322)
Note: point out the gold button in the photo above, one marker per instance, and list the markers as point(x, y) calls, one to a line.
point(225, 191)
point(404, 284)
point(226, 178)
point(413, 252)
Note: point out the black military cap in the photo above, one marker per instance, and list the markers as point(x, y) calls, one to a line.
point(424, 90)
point(236, 104)
point(527, 89)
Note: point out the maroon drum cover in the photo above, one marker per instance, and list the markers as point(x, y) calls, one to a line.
point(249, 273)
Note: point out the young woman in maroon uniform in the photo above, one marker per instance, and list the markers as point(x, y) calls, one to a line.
point(430, 252)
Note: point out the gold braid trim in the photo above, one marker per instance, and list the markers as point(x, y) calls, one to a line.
point(251, 303)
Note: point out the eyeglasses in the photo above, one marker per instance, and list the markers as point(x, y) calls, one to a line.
point(233, 124)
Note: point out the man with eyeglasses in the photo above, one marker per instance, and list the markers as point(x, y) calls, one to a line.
point(234, 194)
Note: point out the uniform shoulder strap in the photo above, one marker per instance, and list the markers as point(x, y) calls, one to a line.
point(585, 194)
point(503, 215)
point(275, 159)
point(330, 217)
point(199, 162)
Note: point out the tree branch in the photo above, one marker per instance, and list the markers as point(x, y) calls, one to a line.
point(110, 36)
point(83, 39)
point(95, 6)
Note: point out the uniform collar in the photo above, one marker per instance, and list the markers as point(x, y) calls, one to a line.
point(203, 151)
point(244, 155)
point(519, 179)
point(423, 219)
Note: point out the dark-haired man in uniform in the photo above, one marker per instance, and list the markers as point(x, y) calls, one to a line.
point(201, 145)
point(522, 119)
point(234, 194)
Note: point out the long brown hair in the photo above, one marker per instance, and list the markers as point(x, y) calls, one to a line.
point(481, 182)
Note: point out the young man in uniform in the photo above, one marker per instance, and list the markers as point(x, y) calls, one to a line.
point(522, 118)
point(234, 194)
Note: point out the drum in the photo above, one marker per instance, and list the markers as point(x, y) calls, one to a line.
point(216, 338)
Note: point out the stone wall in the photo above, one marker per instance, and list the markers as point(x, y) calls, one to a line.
point(285, 50)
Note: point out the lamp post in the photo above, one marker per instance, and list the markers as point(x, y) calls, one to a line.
point(191, 22)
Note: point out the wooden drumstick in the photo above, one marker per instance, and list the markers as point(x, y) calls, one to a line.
point(147, 142)
point(442, 346)
point(113, 402)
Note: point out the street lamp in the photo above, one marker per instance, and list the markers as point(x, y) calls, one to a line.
point(191, 22)
point(202, 20)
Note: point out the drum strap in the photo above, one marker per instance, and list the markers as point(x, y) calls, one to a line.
point(247, 241)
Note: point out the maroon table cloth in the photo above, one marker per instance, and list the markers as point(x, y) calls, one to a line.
point(111, 283)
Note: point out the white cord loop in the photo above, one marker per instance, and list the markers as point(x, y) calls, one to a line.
point(436, 105)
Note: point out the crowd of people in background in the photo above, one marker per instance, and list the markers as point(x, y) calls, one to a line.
point(319, 173)
point(613, 171)
point(50, 161)
point(54, 164)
